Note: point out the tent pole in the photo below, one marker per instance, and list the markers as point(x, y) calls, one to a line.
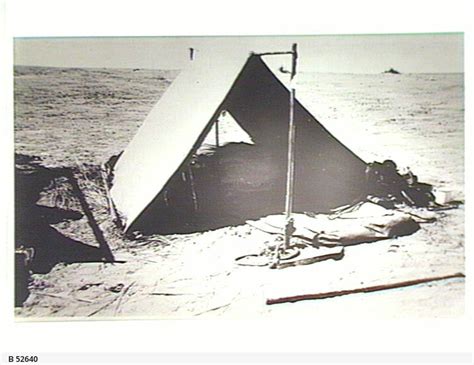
point(290, 176)
point(193, 189)
point(217, 132)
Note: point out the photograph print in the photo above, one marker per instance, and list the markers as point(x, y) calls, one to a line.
point(239, 177)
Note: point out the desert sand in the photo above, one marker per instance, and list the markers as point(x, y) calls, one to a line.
point(69, 117)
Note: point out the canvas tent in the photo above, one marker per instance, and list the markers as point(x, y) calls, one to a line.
point(162, 184)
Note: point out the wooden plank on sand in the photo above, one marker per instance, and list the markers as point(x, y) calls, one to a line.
point(368, 289)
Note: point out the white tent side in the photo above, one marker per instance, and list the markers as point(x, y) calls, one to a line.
point(169, 132)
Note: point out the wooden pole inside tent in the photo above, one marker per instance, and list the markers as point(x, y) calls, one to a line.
point(290, 176)
point(217, 131)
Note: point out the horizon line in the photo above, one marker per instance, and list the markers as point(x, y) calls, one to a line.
point(179, 69)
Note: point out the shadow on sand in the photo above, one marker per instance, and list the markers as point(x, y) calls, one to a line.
point(33, 230)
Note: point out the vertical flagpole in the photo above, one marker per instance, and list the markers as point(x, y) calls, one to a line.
point(290, 177)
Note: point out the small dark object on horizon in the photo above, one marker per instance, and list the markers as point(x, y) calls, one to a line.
point(392, 71)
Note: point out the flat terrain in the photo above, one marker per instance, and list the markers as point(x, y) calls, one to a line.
point(74, 116)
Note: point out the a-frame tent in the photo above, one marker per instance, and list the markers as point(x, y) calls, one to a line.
point(160, 185)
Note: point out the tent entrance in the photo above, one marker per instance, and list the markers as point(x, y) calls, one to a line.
point(233, 183)
point(224, 130)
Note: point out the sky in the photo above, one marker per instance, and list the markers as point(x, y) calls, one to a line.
point(416, 53)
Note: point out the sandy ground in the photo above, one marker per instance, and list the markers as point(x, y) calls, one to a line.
point(417, 120)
